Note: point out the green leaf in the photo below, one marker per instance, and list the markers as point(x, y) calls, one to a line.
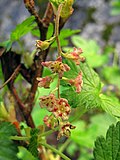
point(112, 75)
point(115, 10)
point(35, 32)
point(8, 149)
point(6, 44)
point(23, 28)
point(24, 154)
point(110, 105)
point(33, 144)
point(71, 96)
point(108, 148)
point(20, 30)
point(56, 3)
point(115, 3)
point(89, 96)
point(65, 33)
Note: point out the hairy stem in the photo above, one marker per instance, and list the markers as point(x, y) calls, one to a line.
point(48, 132)
point(58, 86)
point(64, 146)
point(57, 19)
point(19, 138)
point(55, 150)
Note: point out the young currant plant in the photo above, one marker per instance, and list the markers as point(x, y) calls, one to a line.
point(59, 107)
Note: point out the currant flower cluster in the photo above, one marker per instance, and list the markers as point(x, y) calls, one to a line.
point(59, 107)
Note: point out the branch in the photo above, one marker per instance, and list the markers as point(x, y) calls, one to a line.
point(38, 73)
point(48, 15)
point(37, 67)
point(31, 8)
point(22, 107)
point(18, 100)
point(2, 50)
point(57, 28)
point(27, 73)
point(12, 77)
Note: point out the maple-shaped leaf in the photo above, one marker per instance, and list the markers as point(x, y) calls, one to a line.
point(89, 96)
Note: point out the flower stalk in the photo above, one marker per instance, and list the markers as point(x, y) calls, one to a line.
point(55, 150)
point(57, 19)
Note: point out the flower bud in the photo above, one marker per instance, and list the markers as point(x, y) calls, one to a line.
point(43, 45)
point(50, 121)
point(62, 109)
point(65, 128)
point(44, 82)
point(77, 82)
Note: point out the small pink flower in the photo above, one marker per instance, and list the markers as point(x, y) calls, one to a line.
point(75, 55)
point(57, 66)
point(50, 121)
point(77, 82)
point(44, 82)
point(65, 129)
point(48, 102)
point(61, 109)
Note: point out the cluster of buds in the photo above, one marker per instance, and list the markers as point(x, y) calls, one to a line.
point(60, 113)
point(59, 107)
